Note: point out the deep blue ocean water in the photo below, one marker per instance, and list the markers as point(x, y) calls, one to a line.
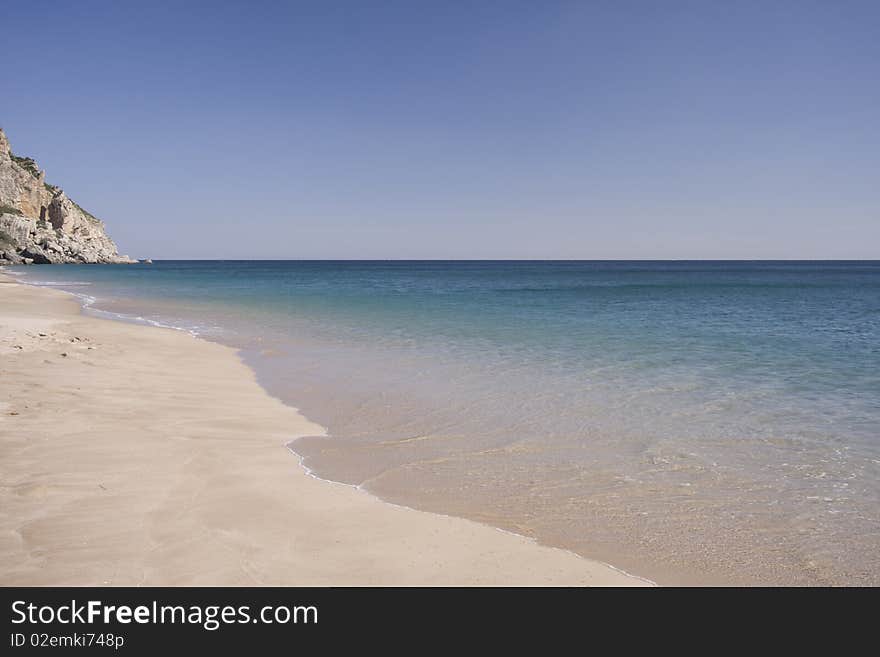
point(688, 421)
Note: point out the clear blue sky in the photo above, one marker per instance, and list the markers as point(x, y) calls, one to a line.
point(454, 129)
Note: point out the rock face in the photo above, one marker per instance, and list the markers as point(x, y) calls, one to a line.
point(40, 224)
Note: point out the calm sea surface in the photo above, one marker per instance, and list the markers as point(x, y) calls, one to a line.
point(691, 422)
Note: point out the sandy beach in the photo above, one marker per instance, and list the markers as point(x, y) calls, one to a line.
point(134, 455)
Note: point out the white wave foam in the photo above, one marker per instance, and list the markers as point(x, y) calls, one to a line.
point(88, 301)
point(194, 331)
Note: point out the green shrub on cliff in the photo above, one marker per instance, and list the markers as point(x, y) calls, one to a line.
point(26, 163)
point(88, 214)
point(8, 209)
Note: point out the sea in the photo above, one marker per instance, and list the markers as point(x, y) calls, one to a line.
point(699, 422)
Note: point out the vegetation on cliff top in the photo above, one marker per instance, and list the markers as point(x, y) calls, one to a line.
point(27, 163)
point(88, 214)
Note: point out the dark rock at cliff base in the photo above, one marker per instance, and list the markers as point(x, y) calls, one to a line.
point(37, 255)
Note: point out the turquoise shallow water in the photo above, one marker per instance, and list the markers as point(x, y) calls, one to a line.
point(688, 421)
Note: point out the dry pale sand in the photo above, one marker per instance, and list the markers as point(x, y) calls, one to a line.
point(135, 455)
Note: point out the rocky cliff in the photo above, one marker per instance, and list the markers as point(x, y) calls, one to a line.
point(40, 224)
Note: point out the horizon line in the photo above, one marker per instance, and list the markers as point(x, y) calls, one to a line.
point(510, 260)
